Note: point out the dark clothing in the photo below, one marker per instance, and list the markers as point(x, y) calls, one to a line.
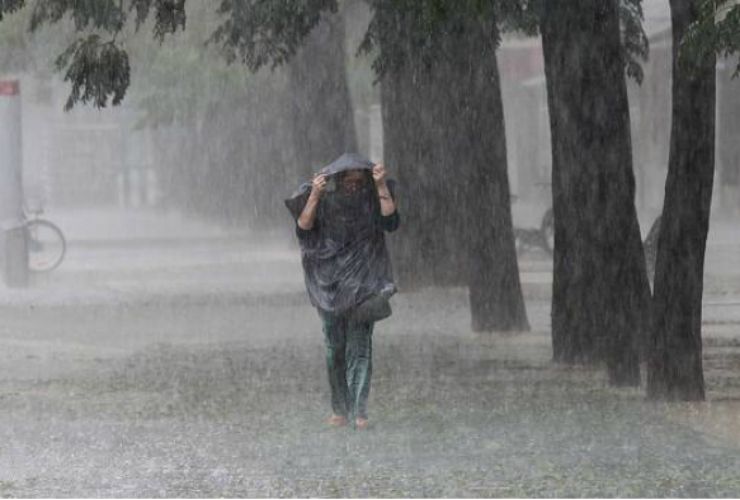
point(388, 223)
point(345, 261)
point(349, 363)
point(344, 255)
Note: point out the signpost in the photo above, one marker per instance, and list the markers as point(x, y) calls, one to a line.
point(13, 240)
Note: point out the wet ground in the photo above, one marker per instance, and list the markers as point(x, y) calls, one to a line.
point(194, 368)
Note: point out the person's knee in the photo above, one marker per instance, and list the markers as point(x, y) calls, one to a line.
point(357, 361)
point(334, 340)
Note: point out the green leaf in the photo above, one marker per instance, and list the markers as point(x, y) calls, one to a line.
point(98, 71)
point(266, 32)
point(10, 6)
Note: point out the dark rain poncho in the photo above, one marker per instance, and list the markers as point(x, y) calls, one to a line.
point(345, 259)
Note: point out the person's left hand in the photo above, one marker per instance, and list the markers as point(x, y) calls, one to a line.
point(379, 174)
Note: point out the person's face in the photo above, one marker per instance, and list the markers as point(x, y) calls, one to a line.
point(353, 181)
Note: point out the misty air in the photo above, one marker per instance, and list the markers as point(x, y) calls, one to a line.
point(369, 248)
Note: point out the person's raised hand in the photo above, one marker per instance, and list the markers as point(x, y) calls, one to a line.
point(379, 173)
point(318, 185)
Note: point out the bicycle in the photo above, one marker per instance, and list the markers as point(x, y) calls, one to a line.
point(46, 243)
point(542, 237)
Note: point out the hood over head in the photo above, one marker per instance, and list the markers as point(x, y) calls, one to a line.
point(348, 161)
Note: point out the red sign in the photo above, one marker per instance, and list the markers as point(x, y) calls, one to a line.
point(9, 87)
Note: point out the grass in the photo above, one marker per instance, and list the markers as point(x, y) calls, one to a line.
point(451, 417)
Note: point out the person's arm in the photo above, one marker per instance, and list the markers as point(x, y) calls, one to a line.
point(387, 204)
point(389, 218)
point(308, 216)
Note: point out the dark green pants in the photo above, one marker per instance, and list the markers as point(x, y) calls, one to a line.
point(349, 361)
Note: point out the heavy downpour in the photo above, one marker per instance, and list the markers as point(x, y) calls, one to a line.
point(369, 248)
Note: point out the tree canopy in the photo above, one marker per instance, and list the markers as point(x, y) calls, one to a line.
point(267, 34)
point(716, 30)
point(96, 64)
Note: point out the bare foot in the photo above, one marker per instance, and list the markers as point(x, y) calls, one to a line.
point(361, 424)
point(337, 421)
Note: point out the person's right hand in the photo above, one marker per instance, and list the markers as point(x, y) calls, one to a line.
point(318, 185)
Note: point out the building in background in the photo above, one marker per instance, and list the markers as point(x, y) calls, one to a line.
point(84, 157)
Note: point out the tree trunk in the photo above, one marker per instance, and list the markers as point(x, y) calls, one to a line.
point(444, 128)
point(675, 362)
point(409, 154)
point(323, 118)
point(415, 107)
point(600, 290)
point(478, 142)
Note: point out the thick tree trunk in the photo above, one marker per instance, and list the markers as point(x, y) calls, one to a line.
point(444, 129)
point(675, 361)
point(415, 111)
point(323, 118)
point(478, 135)
point(600, 289)
point(411, 148)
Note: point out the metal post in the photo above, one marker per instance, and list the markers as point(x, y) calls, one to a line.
point(14, 245)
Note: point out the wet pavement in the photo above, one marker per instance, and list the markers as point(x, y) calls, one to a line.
point(193, 367)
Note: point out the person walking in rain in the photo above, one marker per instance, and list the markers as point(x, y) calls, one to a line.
point(341, 218)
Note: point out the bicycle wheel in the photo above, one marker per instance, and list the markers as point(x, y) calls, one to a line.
point(46, 246)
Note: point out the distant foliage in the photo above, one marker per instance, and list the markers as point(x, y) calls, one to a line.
point(183, 70)
point(169, 15)
point(261, 33)
point(267, 33)
point(716, 31)
point(419, 27)
point(111, 15)
point(99, 14)
point(9, 6)
point(96, 64)
point(255, 32)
